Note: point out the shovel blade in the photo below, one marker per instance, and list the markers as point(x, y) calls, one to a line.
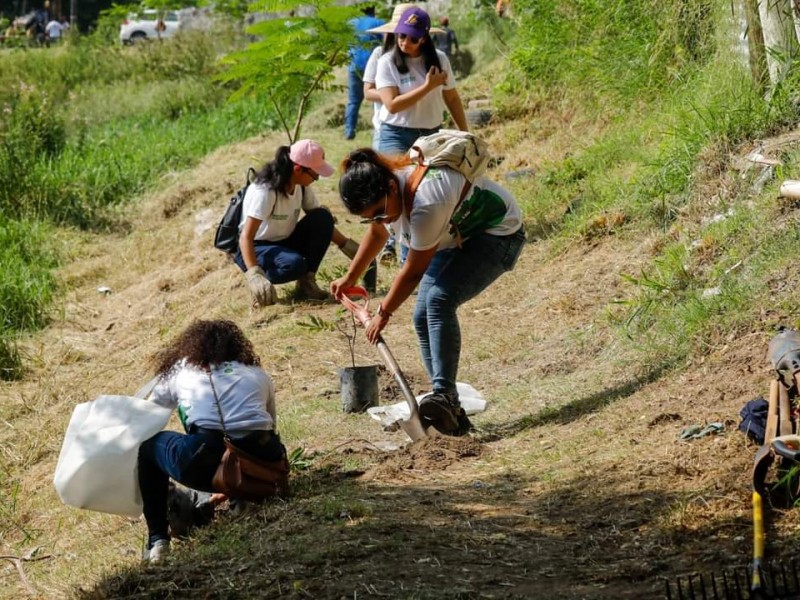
point(413, 429)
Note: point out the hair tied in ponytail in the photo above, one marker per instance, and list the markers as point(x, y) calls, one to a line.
point(362, 155)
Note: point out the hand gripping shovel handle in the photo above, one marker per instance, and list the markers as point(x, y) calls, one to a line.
point(413, 426)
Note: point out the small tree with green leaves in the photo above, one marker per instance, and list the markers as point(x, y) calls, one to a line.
point(294, 56)
point(348, 329)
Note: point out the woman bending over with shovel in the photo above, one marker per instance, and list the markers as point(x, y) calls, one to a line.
point(450, 263)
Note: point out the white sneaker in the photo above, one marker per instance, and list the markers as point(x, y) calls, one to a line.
point(240, 508)
point(158, 552)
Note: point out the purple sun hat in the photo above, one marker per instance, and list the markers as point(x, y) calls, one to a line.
point(414, 22)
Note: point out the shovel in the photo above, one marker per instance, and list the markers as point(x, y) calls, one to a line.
point(413, 425)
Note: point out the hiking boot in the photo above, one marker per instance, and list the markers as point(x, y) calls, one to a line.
point(307, 288)
point(186, 509)
point(388, 256)
point(441, 410)
point(157, 553)
point(464, 424)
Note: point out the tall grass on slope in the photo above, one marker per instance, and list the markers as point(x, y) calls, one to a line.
point(84, 65)
point(660, 169)
point(27, 286)
point(708, 279)
point(620, 48)
point(69, 153)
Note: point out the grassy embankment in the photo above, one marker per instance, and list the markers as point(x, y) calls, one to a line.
point(87, 127)
point(677, 107)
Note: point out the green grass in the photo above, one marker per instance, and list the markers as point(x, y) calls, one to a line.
point(27, 286)
point(74, 148)
point(678, 108)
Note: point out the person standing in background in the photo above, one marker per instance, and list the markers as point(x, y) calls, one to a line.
point(389, 254)
point(446, 41)
point(53, 31)
point(359, 55)
point(415, 83)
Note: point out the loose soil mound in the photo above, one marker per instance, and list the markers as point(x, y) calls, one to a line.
point(433, 454)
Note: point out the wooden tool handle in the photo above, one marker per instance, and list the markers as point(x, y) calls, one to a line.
point(784, 411)
point(772, 411)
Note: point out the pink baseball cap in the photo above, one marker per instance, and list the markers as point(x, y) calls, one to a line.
point(309, 154)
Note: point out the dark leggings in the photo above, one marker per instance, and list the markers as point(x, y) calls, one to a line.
point(300, 253)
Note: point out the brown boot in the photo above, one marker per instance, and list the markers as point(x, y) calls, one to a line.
point(307, 288)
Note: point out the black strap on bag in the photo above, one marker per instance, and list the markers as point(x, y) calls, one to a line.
point(244, 476)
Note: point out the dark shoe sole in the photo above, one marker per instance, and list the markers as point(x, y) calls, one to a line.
point(438, 416)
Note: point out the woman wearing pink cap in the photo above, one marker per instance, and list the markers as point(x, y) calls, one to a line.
point(276, 245)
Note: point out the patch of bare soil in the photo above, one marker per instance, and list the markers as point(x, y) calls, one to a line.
point(433, 454)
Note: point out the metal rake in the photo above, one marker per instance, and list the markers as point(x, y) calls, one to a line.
point(778, 582)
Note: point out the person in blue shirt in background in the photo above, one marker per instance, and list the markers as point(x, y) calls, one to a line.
point(447, 41)
point(359, 55)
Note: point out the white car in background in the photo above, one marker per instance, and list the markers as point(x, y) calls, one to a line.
point(146, 26)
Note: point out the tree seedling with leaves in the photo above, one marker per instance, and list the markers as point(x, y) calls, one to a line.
point(293, 57)
point(341, 325)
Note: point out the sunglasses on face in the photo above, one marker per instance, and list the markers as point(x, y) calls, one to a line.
point(311, 173)
point(409, 38)
point(380, 217)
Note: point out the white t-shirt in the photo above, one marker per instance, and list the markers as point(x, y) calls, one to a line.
point(53, 30)
point(429, 111)
point(277, 212)
point(246, 396)
point(370, 73)
point(488, 207)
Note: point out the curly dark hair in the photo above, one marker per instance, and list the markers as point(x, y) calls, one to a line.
point(204, 343)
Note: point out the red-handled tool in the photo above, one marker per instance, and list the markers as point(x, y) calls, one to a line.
point(413, 425)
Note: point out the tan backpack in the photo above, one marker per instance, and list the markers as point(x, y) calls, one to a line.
point(460, 150)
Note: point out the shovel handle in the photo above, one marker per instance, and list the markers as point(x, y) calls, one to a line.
point(784, 412)
point(362, 315)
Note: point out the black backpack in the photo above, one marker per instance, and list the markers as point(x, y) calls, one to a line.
point(227, 236)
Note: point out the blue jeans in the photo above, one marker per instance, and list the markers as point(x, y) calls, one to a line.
point(454, 276)
point(397, 140)
point(355, 95)
point(190, 460)
point(300, 253)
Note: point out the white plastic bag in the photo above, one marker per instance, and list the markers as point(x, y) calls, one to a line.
point(471, 401)
point(96, 469)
